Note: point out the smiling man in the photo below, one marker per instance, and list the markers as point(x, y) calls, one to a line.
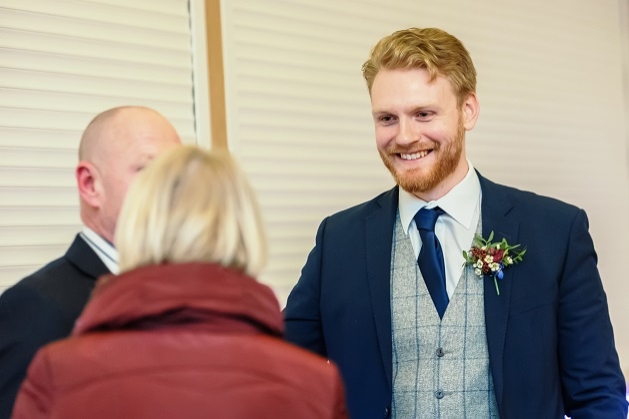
point(419, 331)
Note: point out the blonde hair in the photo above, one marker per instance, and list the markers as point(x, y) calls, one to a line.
point(191, 205)
point(431, 49)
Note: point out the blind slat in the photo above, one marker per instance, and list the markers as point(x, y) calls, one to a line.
point(176, 19)
point(95, 86)
point(96, 67)
point(85, 29)
point(105, 50)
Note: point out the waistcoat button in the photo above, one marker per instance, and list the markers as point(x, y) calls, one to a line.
point(439, 394)
point(440, 352)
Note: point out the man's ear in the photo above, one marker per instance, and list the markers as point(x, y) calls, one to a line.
point(470, 111)
point(87, 179)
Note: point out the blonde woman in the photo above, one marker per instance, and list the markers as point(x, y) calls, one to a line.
point(184, 331)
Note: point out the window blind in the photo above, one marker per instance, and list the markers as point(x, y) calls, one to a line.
point(61, 63)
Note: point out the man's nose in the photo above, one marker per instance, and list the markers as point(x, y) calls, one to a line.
point(407, 132)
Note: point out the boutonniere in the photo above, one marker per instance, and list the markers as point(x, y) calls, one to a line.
point(488, 258)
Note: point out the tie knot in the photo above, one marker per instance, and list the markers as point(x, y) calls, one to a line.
point(425, 219)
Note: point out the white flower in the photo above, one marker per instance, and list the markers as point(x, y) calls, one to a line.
point(479, 264)
point(498, 246)
point(508, 260)
point(489, 259)
point(494, 267)
point(478, 271)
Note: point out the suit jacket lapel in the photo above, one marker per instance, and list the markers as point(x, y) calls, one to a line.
point(379, 239)
point(81, 255)
point(495, 209)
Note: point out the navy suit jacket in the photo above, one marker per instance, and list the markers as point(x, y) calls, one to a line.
point(549, 335)
point(42, 308)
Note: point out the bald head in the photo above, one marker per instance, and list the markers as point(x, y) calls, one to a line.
point(112, 129)
point(115, 146)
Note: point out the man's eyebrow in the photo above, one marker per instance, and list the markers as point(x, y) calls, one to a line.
point(412, 109)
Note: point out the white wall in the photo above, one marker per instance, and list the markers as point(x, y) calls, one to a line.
point(552, 112)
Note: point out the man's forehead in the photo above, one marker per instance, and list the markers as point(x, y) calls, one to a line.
point(410, 89)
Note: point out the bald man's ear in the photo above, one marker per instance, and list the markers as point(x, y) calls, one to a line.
point(88, 181)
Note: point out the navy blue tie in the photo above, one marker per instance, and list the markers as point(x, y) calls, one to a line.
point(430, 258)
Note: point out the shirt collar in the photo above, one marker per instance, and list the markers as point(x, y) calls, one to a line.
point(104, 250)
point(460, 203)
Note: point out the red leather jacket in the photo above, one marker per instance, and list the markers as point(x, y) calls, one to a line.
point(179, 341)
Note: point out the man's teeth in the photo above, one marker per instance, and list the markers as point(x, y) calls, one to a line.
point(414, 156)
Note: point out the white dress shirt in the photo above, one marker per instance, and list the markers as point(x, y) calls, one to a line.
point(455, 229)
point(104, 250)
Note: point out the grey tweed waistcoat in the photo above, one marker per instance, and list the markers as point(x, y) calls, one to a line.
point(440, 366)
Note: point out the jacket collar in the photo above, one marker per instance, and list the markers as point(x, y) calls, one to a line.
point(81, 255)
point(379, 225)
point(199, 294)
point(497, 216)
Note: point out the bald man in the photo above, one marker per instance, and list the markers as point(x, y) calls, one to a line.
point(42, 307)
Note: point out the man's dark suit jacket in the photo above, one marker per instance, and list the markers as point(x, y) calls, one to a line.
point(549, 335)
point(42, 308)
